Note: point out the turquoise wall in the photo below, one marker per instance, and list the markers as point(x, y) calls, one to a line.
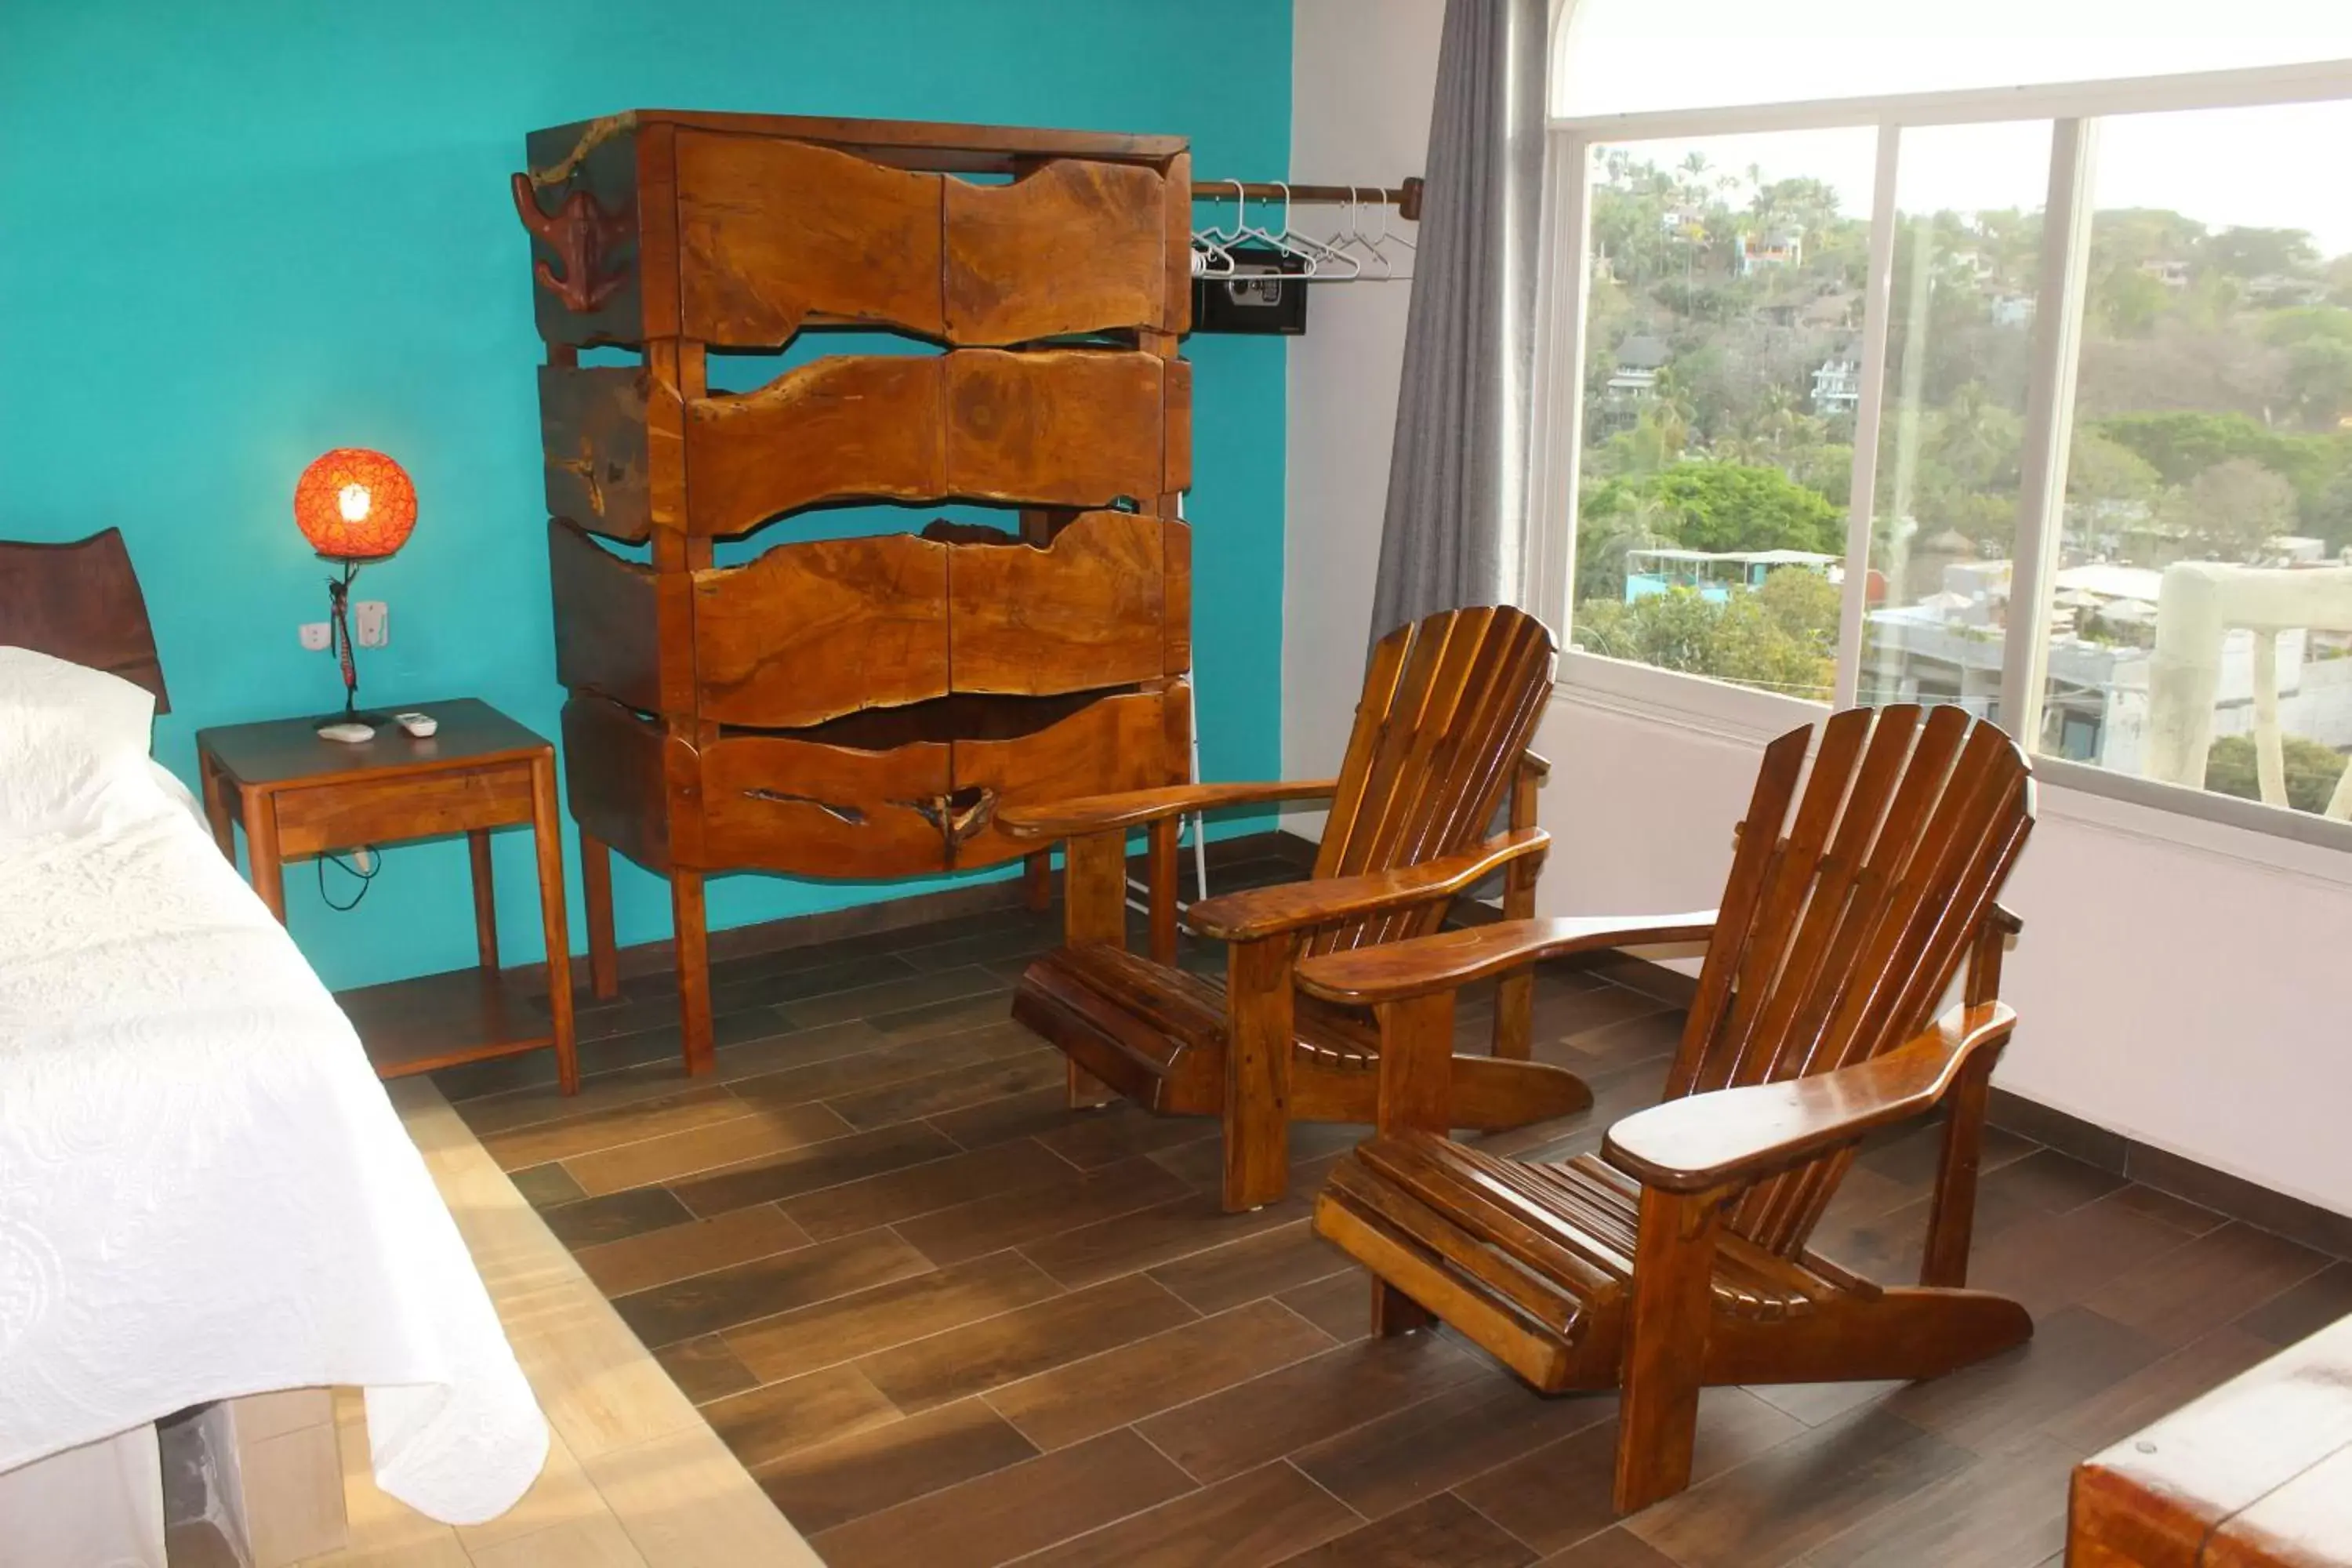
point(234, 235)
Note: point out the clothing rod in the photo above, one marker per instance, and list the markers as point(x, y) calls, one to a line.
point(1406, 198)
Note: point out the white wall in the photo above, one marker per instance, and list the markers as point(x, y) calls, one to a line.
point(2178, 981)
point(1362, 75)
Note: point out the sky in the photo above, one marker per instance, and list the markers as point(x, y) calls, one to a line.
point(2265, 167)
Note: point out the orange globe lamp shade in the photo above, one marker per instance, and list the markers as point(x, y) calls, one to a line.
point(356, 505)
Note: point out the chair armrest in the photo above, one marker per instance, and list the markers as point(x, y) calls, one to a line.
point(1133, 808)
point(1269, 911)
point(1735, 1136)
point(1397, 970)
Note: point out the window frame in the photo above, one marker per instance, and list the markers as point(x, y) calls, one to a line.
point(1556, 452)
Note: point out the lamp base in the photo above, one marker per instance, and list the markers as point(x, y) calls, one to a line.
point(342, 726)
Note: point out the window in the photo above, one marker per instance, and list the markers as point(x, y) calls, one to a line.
point(1963, 299)
point(2037, 400)
point(2197, 635)
point(1720, 383)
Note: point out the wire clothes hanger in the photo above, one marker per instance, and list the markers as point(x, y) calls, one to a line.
point(1380, 242)
point(1354, 235)
point(1317, 255)
point(1347, 255)
point(1213, 257)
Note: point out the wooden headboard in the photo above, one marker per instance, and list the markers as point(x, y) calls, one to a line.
point(80, 601)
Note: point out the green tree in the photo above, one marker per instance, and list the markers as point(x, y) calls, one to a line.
point(1673, 630)
point(1827, 468)
point(2319, 343)
point(2134, 235)
point(2302, 323)
point(1781, 637)
point(2259, 252)
point(1977, 437)
point(2338, 273)
point(1804, 607)
point(2312, 771)
point(2319, 380)
point(2328, 515)
point(2101, 469)
point(2234, 508)
point(1617, 517)
point(1656, 440)
point(2125, 301)
point(1741, 506)
point(2182, 445)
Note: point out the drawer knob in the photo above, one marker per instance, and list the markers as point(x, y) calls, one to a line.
point(958, 817)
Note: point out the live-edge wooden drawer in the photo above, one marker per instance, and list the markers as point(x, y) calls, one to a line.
point(338, 816)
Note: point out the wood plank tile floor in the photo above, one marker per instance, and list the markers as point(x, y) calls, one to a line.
point(635, 1477)
point(944, 1320)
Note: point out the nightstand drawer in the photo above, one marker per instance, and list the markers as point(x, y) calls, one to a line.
point(341, 815)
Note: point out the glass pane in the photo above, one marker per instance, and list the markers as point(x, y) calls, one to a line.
point(1726, 279)
point(1626, 56)
point(1968, 260)
point(2200, 622)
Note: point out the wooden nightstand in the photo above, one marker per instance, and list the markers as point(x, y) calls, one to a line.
point(299, 796)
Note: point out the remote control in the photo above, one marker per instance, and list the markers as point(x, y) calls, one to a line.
point(420, 725)
point(349, 734)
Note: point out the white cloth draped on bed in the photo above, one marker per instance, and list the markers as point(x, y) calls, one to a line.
point(203, 1191)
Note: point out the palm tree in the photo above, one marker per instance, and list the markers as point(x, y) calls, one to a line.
point(1601, 543)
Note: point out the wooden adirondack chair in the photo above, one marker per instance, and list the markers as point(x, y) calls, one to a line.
point(1678, 1257)
point(1441, 734)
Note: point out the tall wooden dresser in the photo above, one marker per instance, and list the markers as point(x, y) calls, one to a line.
point(856, 706)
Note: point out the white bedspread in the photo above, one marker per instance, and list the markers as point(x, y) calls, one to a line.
point(204, 1191)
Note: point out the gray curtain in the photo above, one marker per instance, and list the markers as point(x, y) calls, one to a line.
point(1457, 504)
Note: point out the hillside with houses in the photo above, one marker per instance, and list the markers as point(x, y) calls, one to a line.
point(2213, 418)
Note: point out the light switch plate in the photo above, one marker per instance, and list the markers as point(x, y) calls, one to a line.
point(370, 622)
point(316, 636)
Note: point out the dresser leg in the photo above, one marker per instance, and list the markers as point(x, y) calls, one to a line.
point(693, 969)
point(486, 899)
point(547, 840)
point(596, 884)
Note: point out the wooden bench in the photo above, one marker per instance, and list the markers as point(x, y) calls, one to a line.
point(2256, 1474)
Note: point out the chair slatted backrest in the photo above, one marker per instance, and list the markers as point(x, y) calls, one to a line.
point(1449, 705)
point(1845, 924)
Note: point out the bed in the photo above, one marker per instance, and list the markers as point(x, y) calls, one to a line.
point(205, 1193)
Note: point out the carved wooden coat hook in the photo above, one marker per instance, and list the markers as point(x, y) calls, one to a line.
point(580, 233)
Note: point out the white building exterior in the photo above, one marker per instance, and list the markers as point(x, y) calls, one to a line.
point(1949, 648)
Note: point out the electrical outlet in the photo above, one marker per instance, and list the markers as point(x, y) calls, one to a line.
point(370, 622)
point(316, 636)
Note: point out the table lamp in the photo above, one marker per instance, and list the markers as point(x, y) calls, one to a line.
point(356, 507)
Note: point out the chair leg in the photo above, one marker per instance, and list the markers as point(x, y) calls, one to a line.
point(1094, 909)
point(1515, 995)
point(1666, 1345)
point(1085, 1091)
point(1951, 1219)
point(1394, 1312)
point(1257, 1071)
